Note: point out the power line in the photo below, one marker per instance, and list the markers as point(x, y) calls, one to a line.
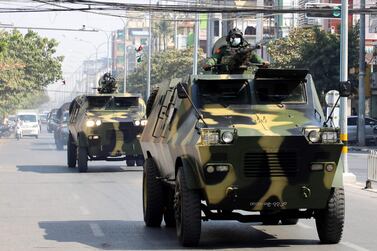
point(45, 28)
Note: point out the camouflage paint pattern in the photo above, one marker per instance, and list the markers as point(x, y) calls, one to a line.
point(117, 133)
point(269, 160)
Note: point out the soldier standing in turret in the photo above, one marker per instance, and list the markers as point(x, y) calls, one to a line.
point(233, 57)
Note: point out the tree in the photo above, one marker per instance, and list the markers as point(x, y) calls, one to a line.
point(316, 50)
point(27, 66)
point(166, 65)
point(165, 29)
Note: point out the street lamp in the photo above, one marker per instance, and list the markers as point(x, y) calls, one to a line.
point(125, 73)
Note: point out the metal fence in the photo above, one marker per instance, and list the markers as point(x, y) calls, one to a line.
point(372, 167)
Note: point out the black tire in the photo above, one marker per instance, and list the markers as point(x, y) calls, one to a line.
point(150, 102)
point(36, 136)
point(269, 218)
point(71, 152)
point(140, 162)
point(187, 205)
point(169, 214)
point(289, 221)
point(130, 162)
point(330, 221)
point(82, 159)
point(153, 205)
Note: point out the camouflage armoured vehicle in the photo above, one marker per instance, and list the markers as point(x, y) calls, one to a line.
point(258, 143)
point(105, 127)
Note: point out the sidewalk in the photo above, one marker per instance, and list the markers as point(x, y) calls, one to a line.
point(361, 149)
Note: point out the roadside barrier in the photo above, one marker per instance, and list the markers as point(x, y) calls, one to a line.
point(372, 168)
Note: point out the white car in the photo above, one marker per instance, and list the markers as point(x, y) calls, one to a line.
point(29, 122)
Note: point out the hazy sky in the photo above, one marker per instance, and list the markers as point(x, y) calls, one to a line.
point(74, 50)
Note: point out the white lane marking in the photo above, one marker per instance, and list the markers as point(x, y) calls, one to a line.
point(75, 196)
point(300, 224)
point(84, 210)
point(353, 246)
point(96, 229)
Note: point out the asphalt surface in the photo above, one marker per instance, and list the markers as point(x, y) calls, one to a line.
point(46, 206)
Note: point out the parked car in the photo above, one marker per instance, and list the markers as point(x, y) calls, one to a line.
point(29, 125)
point(61, 126)
point(51, 123)
point(370, 130)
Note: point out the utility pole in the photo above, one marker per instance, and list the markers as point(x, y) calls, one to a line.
point(361, 113)
point(196, 42)
point(149, 52)
point(175, 32)
point(343, 100)
point(125, 56)
point(209, 34)
point(259, 30)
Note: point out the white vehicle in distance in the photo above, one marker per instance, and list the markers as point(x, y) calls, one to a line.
point(28, 123)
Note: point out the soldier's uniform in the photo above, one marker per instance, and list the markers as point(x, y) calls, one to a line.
point(223, 58)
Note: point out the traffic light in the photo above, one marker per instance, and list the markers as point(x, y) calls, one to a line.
point(323, 10)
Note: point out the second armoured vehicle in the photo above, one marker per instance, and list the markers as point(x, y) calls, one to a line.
point(105, 126)
point(217, 144)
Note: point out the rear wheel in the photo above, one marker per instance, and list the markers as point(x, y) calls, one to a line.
point(71, 152)
point(187, 209)
point(289, 221)
point(130, 162)
point(330, 221)
point(153, 204)
point(82, 159)
point(169, 216)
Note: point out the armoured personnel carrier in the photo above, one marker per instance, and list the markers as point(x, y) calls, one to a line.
point(105, 126)
point(258, 143)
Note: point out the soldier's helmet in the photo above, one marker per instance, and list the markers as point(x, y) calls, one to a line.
point(107, 84)
point(235, 37)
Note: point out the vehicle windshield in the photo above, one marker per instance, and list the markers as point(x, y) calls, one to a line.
point(279, 91)
point(27, 118)
point(223, 92)
point(112, 103)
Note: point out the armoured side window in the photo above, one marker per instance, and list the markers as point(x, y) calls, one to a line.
point(170, 114)
point(162, 115)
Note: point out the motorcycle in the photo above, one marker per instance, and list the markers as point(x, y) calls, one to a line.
point(18, 132)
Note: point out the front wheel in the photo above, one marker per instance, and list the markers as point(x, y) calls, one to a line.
point(330, 221)
point(187, 204)
point(153, 204)
point(71, 152)
point(82, 160)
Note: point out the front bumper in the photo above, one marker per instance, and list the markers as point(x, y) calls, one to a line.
point(268, 173)
point(30, 131)
point(111, 140)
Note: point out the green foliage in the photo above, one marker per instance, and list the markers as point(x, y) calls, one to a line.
point(316, 50)
point(27, 65)
point(166, 65)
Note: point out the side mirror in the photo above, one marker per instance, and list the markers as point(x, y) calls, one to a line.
point(345, 88)
point(182, 90)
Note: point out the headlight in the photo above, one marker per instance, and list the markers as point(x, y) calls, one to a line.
point(137, 122)
point(227, 137)
point(314, 136)
point(329, 137)
point(143, 122)
point(210, 136)
point(90, 123)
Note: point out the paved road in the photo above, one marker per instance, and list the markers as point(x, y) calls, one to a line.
point(46, 206)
